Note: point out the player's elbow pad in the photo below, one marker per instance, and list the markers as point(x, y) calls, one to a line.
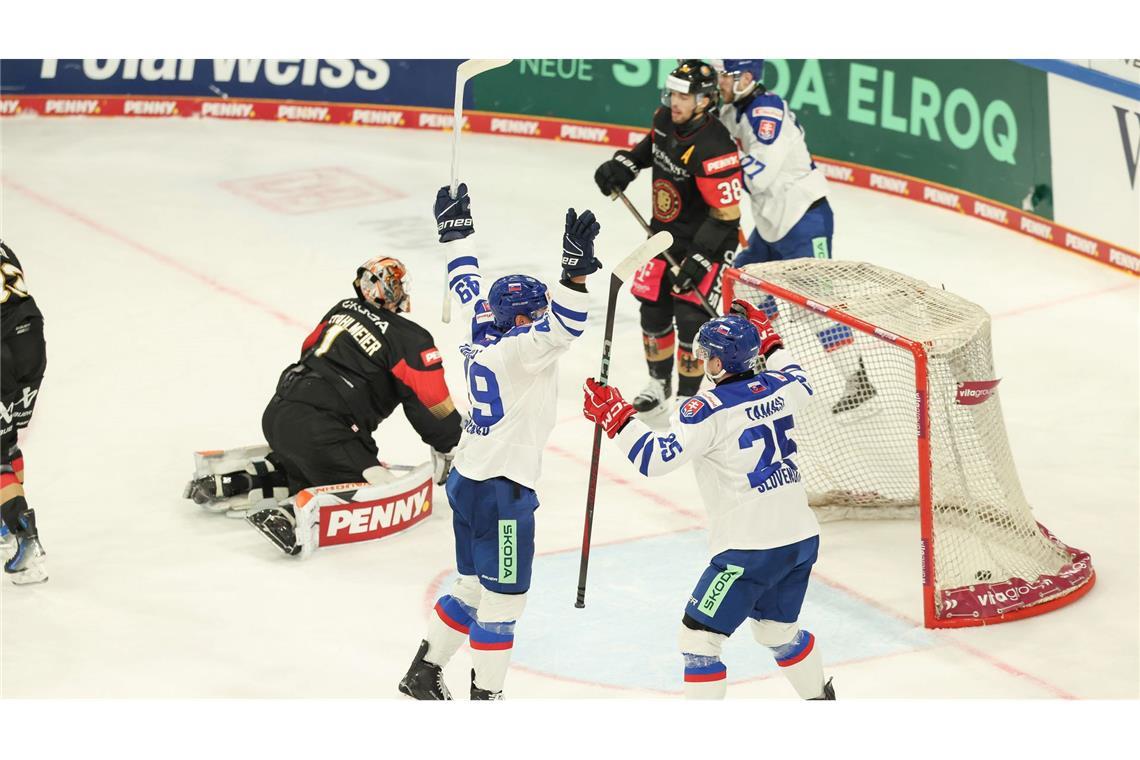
point(715, 236)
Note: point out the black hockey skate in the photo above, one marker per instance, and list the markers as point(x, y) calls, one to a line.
point(424, 680)
point(482, 695)
point(654, 395)
point(26, 565)
point(213, 488)
point(856, 392)
point(828, 693)
point(277, 524)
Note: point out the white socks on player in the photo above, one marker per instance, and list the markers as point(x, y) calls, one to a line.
point(493, 638)
point(452, 619)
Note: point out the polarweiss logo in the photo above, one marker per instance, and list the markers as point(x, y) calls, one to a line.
point(1131, 153)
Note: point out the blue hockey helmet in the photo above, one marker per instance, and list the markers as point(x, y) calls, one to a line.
point(734, 67)
point(732, 339)
point(515, 294)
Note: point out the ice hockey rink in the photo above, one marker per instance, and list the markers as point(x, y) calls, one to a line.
point(179, 265)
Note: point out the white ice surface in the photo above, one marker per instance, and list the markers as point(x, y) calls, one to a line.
point(172, 304)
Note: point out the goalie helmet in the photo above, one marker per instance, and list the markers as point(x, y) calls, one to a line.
point(692, 77)
point(383, 282)
point(732, 339)
point(517, 294)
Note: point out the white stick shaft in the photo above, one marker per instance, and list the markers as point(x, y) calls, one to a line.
point(463, 72)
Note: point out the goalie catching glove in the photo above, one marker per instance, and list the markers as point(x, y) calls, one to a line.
point(605, 406)
point(770, 340)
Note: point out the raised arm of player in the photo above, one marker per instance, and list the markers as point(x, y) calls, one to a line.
point(651, 453)
point(615, 174)
point(455, 225)
point(543, 341)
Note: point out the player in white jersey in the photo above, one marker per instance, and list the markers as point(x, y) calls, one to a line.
point(762, 535)
point(787, 191)
point(789, 198)
point(518, 332)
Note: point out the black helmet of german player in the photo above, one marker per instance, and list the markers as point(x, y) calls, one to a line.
point(692, 77)
point(383, 282)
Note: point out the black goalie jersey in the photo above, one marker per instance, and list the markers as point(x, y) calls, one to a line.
point(371, 361)
point(693, 171)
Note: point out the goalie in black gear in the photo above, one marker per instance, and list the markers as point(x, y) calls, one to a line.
point(361, 361)
point(696, 193)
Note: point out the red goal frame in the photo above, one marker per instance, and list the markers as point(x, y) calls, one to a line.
point(1081, 577)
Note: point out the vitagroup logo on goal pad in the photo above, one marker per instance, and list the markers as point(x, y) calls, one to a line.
point(975, 392)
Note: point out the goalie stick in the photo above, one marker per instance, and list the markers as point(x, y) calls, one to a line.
point(620, 274)
point(672, 262)
point(463, 72)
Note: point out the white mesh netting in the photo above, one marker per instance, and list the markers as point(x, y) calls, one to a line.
point(858, 441)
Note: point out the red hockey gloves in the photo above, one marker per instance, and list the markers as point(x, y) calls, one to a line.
point(769, 338)
point(453, 215)
point(605, 406)
point(691, 273)
point(617, 173)
point(578, 244)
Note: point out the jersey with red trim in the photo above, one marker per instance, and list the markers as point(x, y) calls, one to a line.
point(741, 438)
point(512, 376)
point(16, 305)
point(779, 174)
point(693, 171)
point(384, 360)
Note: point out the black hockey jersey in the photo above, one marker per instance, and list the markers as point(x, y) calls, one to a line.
point(373, 360)
point(692, 172)
point(16, 305)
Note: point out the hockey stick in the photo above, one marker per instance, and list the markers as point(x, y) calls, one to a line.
point(672, 262)
point(620, 274)
point(463, 72)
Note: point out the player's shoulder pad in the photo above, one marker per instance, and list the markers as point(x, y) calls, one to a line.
point(766, 114)
point(699, 407)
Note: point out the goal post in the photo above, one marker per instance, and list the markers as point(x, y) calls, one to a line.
point(907, 421)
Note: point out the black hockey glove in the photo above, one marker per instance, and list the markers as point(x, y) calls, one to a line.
point(691, 272)
point(578, 245)
point(453, 215)
point(617, 173)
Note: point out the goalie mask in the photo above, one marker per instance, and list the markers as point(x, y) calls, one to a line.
point(383, 282)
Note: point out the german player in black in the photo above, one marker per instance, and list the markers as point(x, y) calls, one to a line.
point(361, 361)
point(696, 193)
point(22, 364)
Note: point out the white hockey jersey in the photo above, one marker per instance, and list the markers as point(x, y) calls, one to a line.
point(779, 174)
point(740, 437)
point(512, 377)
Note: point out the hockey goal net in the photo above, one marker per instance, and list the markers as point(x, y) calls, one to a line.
point(907, 421)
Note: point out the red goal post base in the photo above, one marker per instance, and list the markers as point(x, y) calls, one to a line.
point(972, 605)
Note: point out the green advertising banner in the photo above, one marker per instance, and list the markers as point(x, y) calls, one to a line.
point(980, 125)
